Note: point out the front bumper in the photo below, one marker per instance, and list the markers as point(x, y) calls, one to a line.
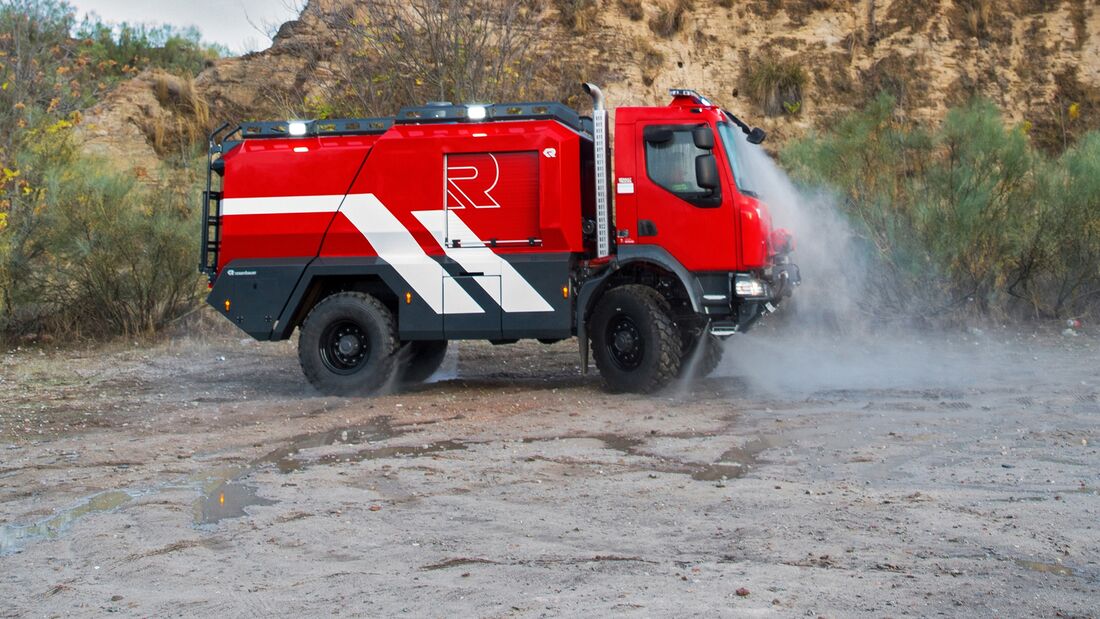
point(746, 297)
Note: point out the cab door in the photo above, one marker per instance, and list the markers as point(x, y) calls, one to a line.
point(682, 200)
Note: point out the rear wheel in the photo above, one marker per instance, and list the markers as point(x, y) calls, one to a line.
point(634, 340)
point(421, 359)
point(347, 344)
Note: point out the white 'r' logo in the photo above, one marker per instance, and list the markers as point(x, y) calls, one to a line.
point(471, 183)
point(549, 153)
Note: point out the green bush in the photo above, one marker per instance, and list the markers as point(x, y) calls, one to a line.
point(964, 219)
point(89, 251)
point(85, 249)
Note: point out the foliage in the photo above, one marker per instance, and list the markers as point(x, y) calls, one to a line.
point(84, 248)
point(775, 84)
point(669, 18)
point(967, 218)
point(396, 53)
point(125, 47)
point(91, 251)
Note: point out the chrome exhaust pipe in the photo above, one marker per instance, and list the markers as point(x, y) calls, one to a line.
point(599, 142)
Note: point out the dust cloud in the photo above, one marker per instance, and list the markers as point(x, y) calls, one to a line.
point(823, 338)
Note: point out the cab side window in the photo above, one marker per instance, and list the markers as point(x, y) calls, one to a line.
point(679, 159)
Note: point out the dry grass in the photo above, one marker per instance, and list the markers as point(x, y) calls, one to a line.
point(652, 61)
point(775, 84)
point(576, 15)
point(185, 120)
point(632, 9)
point(669, 19)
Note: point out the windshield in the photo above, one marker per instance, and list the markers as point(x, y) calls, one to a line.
point(735, 145)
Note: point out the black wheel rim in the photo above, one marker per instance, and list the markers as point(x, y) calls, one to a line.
point(625, 345)
point(344, 347)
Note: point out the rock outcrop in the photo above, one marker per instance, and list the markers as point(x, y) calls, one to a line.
point(1034, 58)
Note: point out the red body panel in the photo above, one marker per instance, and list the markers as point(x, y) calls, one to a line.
point(288, 168)
point(729, 237)
point(533, 189)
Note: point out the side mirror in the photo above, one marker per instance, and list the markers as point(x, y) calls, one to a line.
point(706, 172)
point(703, 137)
point(756, 136)
point(657, 135)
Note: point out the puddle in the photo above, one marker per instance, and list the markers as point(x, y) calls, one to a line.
point(14, 537)
point(227, 500)
point(288, 465)
point(286, 460)
point(1048, 568)
point(225, 495)
point(733, 463)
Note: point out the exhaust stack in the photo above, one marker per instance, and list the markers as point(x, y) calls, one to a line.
point(599, 141)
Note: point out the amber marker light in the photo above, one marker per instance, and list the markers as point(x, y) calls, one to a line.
point(221, 498)
point(227, 305)
point(408, 298)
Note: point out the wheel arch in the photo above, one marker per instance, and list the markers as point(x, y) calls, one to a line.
point(324, 278)
point(634, 264)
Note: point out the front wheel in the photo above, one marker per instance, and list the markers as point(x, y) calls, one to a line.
point(635, 342)
point(347, 344)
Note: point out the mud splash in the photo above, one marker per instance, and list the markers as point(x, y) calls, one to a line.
point(14, 537)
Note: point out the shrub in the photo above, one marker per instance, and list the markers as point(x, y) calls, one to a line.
point(775, 84)
point(966, 219)
point(632, 9)
point(90, 251)
point(576, 15)
point(669, 18)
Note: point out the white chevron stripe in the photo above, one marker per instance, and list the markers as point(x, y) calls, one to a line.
point(516, 294)
point(393, 242)
point(396, 245)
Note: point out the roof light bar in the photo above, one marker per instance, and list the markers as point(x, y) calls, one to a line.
point(694, 96)
point(297, 127)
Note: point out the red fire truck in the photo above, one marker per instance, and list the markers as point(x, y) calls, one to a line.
point(381, 239)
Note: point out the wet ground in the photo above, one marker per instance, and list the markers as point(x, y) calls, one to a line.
point(828, 477)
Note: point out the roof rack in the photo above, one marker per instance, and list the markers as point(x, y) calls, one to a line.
point(341, 126)
point(423, 114)
point(448, 113)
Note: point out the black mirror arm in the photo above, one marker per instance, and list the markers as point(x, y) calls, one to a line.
point(756, 136)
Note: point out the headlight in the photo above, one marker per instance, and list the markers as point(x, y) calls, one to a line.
point(746, 286)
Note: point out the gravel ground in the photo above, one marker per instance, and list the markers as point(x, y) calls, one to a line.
point(817, 477)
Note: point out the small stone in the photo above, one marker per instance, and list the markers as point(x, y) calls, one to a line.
point(375, 508)
point(742, 592)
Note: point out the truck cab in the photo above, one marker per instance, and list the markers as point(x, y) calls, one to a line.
point(380, 240)
point(683, 186)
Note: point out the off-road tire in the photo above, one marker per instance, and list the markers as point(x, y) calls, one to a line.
point(708, 361)
point(420, 359)
point(630, 314)
point(356, 319)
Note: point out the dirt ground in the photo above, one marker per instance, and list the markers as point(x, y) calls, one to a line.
point(826, 477)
